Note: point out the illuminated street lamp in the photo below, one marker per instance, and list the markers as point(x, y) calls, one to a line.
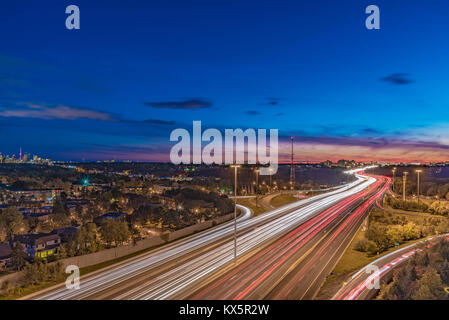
point(404, 181)
point(257, 185)
point(418, 172)
point(394, 175)
point(235, 211)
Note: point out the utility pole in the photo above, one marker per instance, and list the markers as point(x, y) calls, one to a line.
point(404, 181)
point(418, 172)
point(394, 175)
point(235, 212)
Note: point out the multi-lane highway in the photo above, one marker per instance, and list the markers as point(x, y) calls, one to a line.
point(174, 270)
point(362, 285)
point(295, 265)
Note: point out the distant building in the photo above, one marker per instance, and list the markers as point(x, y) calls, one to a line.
point(26, 158)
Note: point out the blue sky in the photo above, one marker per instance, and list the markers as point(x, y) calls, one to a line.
point(138, 69)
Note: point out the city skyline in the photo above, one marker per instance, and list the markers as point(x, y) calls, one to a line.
point(117, 87)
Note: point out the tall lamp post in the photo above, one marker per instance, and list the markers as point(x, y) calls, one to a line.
point(271, 176)
point(394, 175)
point(418, 172)
point(257, 185)
point(235, 211)
point(404, 181)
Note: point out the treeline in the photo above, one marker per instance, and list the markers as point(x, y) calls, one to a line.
point(435, 207)
point(188, 212)
point(424, 277)
point(385, 230)
point(36, 273)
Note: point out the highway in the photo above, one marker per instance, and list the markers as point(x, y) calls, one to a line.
point(361, 285)
point(295, 265)
point(174, 269)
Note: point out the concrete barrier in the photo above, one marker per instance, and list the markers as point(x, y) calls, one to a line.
point(110, 254)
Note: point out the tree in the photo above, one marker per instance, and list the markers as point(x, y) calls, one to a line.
point(372, 248)
point(85, 241)
point(113, 231)
point(394, 234)
point(429, 287)
point(378, 234)
point(60, 213)
point(361, 245)
point(410, 231)
point(18, 257)
point(11, 220)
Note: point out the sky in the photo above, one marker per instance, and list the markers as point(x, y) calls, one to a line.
point(136, 70)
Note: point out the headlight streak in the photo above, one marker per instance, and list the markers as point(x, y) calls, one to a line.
point(166, 285)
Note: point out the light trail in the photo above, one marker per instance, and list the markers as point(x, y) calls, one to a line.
point(362, 282)
point(247, 277)
point(268, 226)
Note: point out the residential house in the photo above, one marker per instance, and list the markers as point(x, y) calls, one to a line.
point(41, 245)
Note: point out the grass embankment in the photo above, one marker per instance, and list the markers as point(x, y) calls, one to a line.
point(282, 200)
point(353, 260)
point(251, 204)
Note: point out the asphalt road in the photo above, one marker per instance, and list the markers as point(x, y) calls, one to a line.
point(361, 286)
point(172, 270)
point(295, 265)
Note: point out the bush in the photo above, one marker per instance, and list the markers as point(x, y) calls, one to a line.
point(372, 248)
point(361, 245)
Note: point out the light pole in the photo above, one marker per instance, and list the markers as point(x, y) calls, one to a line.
point(394, 175)
point(418, 172)
point(235, 212)
point(271, 175)
point(257, 185)
point(404, 181)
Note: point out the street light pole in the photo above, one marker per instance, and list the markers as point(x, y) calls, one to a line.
point(394, 175)
point(257, 185)
point(235, 212)
point(404, 181)
point(418, 172)
point(271, 175)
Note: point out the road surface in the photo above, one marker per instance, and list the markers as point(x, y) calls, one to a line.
point(170, 271)
point(362, 286)
point(295, 265)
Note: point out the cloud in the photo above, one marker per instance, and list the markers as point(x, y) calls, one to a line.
point(161, 122)
point(187, 104)
point(58, 112)
point(253, 113)
point(373, 143)
point(369, 131)
point(398, 78)
point(271, 101)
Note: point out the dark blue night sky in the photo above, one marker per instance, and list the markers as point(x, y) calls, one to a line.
point(138, 69)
